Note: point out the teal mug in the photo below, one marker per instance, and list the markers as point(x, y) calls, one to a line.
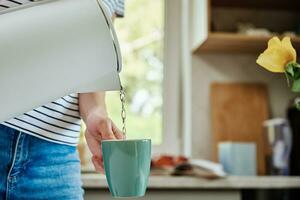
point(127, 166)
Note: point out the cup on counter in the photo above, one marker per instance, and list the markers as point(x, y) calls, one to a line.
point(238, 158)
point(127, 166)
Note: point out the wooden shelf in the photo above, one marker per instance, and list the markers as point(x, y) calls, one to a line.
point(219, 42)
point(292, 5)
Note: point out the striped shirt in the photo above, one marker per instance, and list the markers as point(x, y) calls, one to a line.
point(58, 121)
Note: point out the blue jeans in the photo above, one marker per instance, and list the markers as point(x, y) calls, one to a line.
point(31, 168)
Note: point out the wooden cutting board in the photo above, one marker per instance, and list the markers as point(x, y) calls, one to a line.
point(238, 111)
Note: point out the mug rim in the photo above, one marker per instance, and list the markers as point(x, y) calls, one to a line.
point(126, 140)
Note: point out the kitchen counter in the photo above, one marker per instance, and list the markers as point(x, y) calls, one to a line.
point(231, 182)
point(191, 188)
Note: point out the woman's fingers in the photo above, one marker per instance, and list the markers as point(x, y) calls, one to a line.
point(98, 164)
point(95, 147)
point(117, 132)
point(105, 129)
point(94, 144)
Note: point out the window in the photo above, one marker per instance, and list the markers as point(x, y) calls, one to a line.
point(150, 41)
point(150, 37)
point(141, 38)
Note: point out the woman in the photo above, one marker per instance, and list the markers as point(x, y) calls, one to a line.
point(38, 156)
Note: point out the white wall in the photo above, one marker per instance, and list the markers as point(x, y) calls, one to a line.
point(217, 67)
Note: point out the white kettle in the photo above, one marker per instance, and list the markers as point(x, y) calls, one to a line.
point(52, 48)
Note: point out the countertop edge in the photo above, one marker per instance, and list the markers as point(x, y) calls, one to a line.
point(97, 181)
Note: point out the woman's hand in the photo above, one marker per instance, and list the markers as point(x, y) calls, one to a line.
point(99, 125)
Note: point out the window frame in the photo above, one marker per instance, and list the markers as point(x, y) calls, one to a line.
point(171, 137)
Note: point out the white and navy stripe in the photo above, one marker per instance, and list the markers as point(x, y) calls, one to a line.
point(4, 4)
point(115, 7)
point(58, 121)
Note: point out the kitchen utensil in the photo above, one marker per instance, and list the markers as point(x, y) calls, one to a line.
point(53, 48)
point(238, 159)
point(127, 166)
point(279, 141)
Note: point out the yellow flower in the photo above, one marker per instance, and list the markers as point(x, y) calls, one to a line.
point(277, 55)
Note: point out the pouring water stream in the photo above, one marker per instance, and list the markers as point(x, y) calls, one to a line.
point(123, 111)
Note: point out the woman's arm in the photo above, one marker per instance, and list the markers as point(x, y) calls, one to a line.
point(99, 125)
point(93, 112)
